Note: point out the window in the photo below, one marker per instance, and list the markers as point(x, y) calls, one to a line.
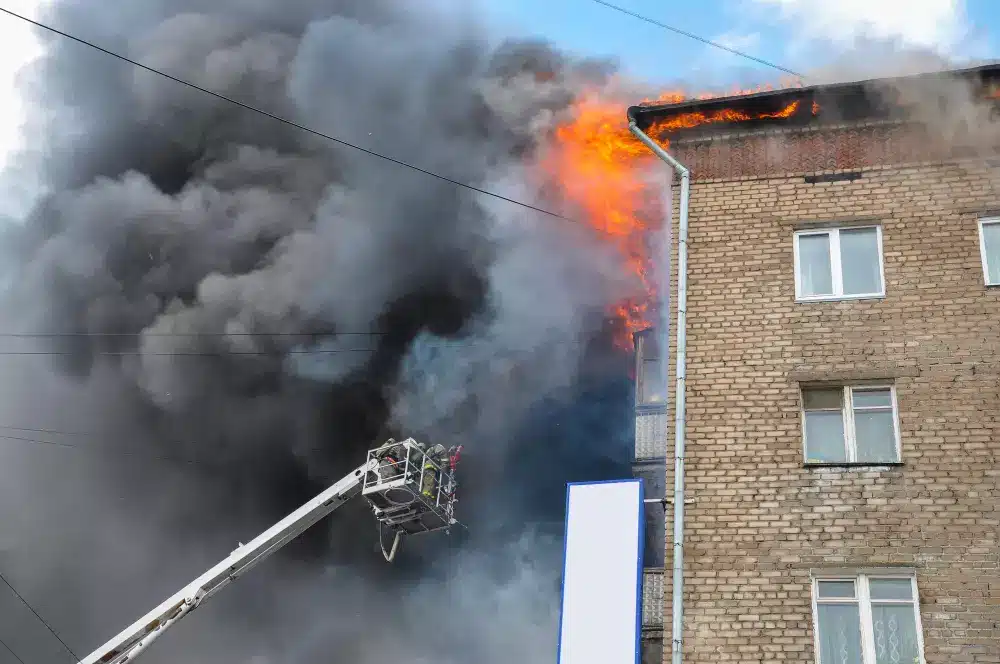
point(867, 619)
point(850, 424)
point(838, 263)
point(989, 248)
point(652, 376)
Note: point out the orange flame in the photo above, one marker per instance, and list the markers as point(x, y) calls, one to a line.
point(690, 120)
point(593, 159)
point(599, 166)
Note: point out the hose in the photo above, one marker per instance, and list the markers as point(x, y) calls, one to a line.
point(395, 544)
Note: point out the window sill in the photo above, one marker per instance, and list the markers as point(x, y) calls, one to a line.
point(854, 464)
point(838, 298)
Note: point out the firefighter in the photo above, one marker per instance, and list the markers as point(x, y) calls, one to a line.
point(391, 460)
point(433, 463)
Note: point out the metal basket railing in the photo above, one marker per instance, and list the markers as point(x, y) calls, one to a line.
point(407, 463)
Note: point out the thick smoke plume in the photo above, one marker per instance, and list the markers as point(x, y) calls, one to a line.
point(238, 309)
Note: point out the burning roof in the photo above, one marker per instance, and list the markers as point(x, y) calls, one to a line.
point(857, 101)
point(601, 168)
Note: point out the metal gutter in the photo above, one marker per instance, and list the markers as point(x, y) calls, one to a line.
point(677, 603)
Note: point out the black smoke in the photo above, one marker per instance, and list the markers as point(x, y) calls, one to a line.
point(259, 305)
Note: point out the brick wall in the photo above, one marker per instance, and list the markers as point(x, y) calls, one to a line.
point(821, 148)
point(760, 520)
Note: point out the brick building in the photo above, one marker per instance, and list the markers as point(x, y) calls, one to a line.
point(843, 378)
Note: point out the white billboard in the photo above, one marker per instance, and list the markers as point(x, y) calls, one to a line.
point(602, 573)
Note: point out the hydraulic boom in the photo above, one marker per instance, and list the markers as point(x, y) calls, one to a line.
point(410, 489)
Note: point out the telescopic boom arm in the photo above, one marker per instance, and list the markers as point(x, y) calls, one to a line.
point(138, 636)
point(411, 490)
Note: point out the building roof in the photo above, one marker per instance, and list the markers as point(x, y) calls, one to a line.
point(857, 101)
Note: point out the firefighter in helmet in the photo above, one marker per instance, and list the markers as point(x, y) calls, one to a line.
point(434, 461)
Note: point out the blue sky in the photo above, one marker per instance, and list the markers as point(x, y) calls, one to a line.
point(798, 34)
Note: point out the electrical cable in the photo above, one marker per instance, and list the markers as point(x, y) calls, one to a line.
point(691, 35)
point(106, 451)
point(258, 353)
point(275, 353)
point(311, 333)
point(8, 648)
point(231, 100)
point(85, 448)
point(40, 619)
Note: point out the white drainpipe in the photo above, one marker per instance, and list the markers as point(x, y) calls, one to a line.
point(677, 604)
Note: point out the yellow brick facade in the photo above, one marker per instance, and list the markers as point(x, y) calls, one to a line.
point(761, 522)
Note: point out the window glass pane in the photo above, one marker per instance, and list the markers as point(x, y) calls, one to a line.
point(825, 437)
point(815, 273)
point(836, 589)
point(859, 261)
point(991, 245)
point(871, 398)
point(895, 629)
point(814, 399)
point(653, 382)
point(649, 345)
point(876, 437)
point(839, 634)
point(891, 589)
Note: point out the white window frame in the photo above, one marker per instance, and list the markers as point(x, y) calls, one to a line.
point(835, 264)
point(986, 221)
point(847, 414)
point(862, 597)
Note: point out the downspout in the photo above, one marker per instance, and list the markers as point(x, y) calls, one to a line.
point(677, 603)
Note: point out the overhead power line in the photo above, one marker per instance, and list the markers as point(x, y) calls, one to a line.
point(87, 448)
point(40, 619)
point(691, 35)
point(113, 452)
point(311, 333)
point(221, 353)
point(8, 649)
point(329, 137)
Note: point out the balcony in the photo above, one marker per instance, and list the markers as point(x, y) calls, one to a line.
point(651, 645)
point(652, 598)
point(650, 435)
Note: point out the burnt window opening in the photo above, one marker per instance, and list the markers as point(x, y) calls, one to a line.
point(651, 369)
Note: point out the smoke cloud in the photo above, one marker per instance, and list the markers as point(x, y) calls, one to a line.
point(238, 309)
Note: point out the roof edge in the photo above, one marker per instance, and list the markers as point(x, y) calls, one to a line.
point(643, 114)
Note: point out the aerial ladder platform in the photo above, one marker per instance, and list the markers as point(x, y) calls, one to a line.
point(411, 490)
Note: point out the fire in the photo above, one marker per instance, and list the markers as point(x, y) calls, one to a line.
point(599, 167)
point(690, 120)
point(594, 160)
